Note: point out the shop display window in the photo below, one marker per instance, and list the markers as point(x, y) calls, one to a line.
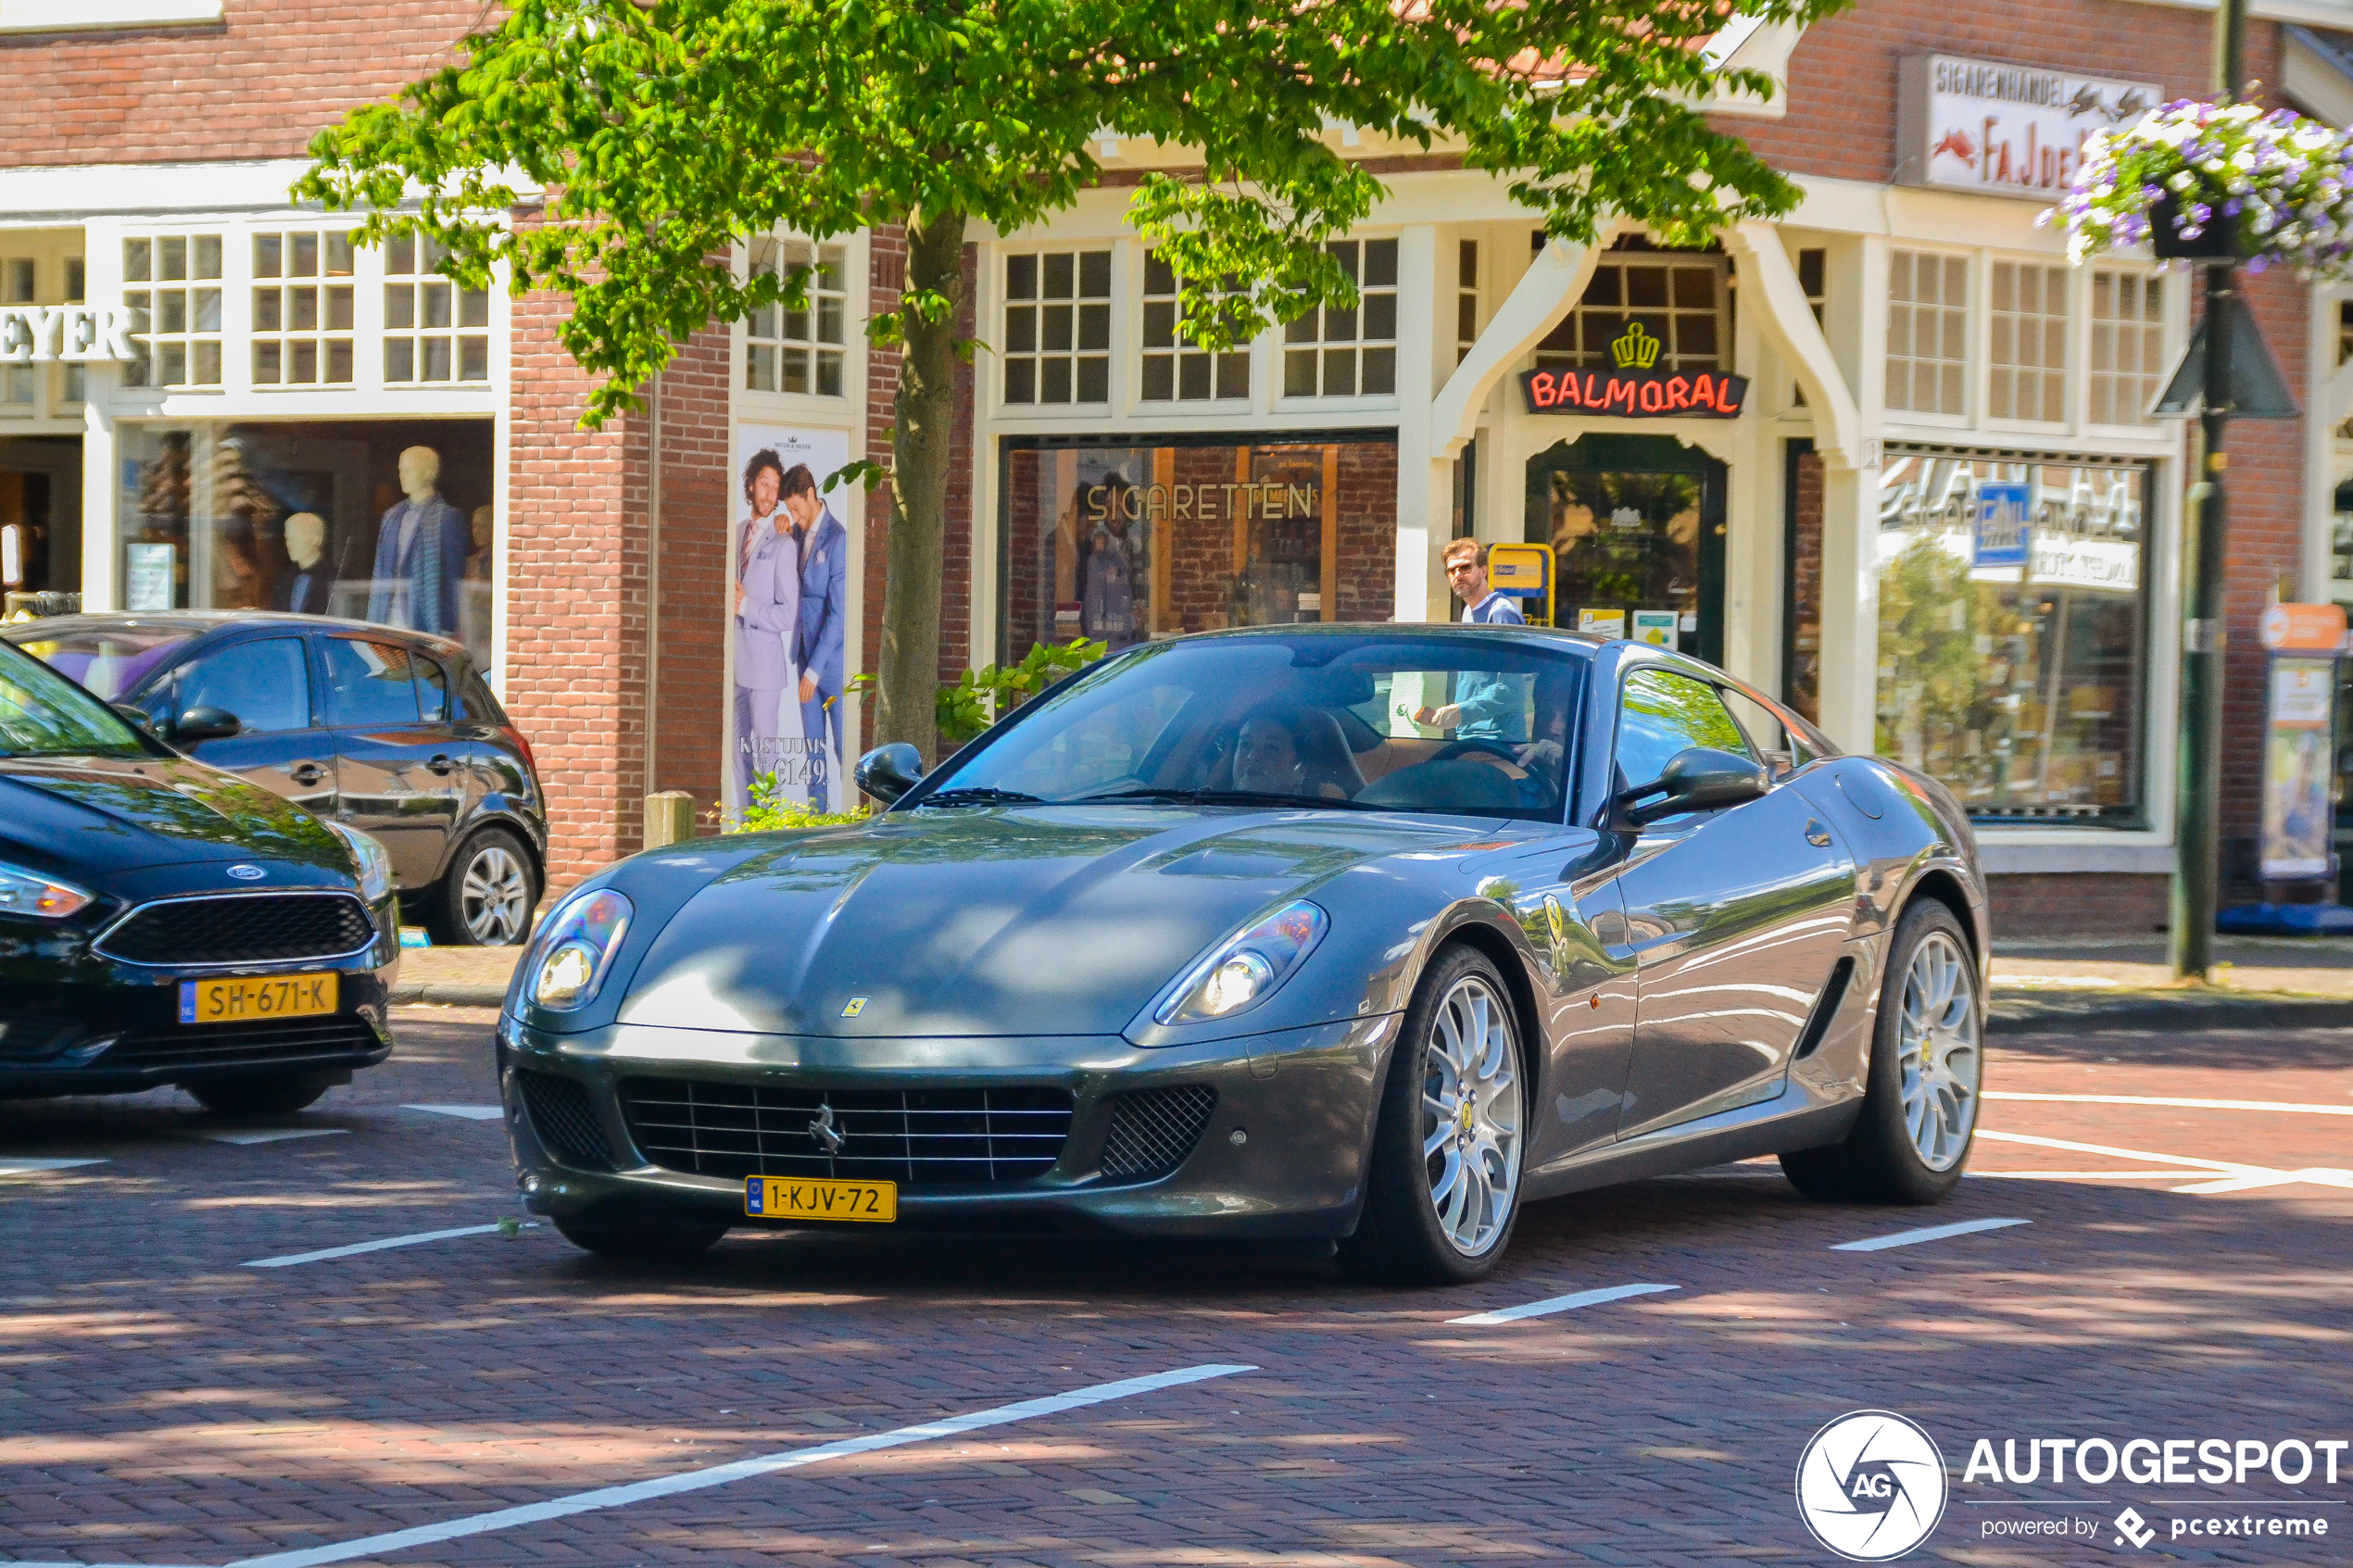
point(1927, 332)
point(1057, 337)
point(1349, 352)
point(1636, 525)
point(2128, 346)
point(302, 304)
point(387, 521)
point(1130, 543)
point(800, 351)
point(435, 329)
point(2013, 632)
point(171, 288)
point(1176, 368)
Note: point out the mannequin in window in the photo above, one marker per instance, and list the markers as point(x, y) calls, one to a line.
point(420, 552)
point(304, 580)
point(473, 604)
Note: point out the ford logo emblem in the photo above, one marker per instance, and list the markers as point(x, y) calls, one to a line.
point(247, 873)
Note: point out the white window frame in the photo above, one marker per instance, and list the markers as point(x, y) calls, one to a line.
point(1973, 332)
point(1000, 337)
point(422, 284)
point(1183, 348)
point(286, 336)
point(2161, 286)
point(854, 300)
point(1282, 344)
point(187, 338)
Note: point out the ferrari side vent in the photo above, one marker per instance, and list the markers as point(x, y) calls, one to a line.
point(565, 1119)
point(1826, 1007)
point(1153, 1130)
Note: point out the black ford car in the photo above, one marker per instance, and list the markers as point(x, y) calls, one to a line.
point(162, 922)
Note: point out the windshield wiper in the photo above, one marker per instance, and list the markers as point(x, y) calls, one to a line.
point(978, 795)
point(1232, 797)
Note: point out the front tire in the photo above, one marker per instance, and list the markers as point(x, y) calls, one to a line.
point(643, 1232)
point(1912, 1138)
point(1442, 1192)
point(485, 898)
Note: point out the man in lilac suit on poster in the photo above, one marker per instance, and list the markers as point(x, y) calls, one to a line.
point(818, 645)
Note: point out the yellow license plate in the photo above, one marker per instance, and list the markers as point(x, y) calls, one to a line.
point(808, 1197)
point(247, 998)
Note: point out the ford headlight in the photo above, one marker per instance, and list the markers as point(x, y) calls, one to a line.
point(43, 897)
point(375, 866)
point(1243, 970)
point(573, 949)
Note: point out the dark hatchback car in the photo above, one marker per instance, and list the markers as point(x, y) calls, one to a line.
point(166, 922)
point(389, 732)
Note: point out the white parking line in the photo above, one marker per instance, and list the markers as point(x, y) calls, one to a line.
point(1931, 1232)
point(2225, 1175)
point(356, 1247)
point(2182, 1103)
point(470, 1113)
point(1561, 1304)
point(273, 1135)
point(12, 1166)
point(741, 1470)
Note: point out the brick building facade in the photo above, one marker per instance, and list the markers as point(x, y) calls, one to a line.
point(1314, 476)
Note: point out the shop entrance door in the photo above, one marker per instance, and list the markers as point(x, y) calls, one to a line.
point(1636, 523)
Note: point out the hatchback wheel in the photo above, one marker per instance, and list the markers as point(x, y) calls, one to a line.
point(486, 899)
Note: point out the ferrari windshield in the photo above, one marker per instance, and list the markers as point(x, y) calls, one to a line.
point(1469, 722)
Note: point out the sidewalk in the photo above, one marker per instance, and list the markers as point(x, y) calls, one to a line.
point(2040, 986)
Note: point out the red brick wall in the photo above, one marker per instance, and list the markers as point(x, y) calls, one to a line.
point(699, 496)
point(886, 279)
point(2076, 904)
point(258, 85)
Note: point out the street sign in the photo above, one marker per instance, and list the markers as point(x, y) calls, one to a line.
point(1998, 518)
point(2303, 628)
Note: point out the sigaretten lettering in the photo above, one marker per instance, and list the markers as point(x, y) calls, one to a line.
point(2151, 1462)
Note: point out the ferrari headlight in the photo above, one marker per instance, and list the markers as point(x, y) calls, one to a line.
point(375, 866)
point(43, 897)
point(1243, 970)
point(573, 949)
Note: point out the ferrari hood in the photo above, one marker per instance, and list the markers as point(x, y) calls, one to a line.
point(1023, 920)
point(81, 816)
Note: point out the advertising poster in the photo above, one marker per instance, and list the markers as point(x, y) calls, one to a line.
point(788, 577)
point(2298, 820)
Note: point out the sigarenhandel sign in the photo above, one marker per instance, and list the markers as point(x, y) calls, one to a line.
point(1998, 128)
point(1633, 389)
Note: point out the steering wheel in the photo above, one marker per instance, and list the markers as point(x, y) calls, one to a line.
point(1496, 748)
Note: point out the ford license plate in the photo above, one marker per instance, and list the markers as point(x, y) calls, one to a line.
point(247, 998)
point(808, 1197)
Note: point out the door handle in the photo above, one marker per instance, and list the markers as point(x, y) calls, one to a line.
point(440, 764)
point(1817, 835)
point(305, 772)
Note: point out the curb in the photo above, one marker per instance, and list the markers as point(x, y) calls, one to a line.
point(2147, 1012)
point(450, 996)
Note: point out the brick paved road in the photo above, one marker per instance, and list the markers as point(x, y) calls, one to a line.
point(160, 1403)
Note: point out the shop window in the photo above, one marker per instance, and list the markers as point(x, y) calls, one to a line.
point(2128, 346)
point(799, 350)
point(2028, 352)
point(435, 329)
point(1927, 332)
point(1057, 337)
point(1466, 298)
point(1677, 300)
point(1337, 352)
point(17, 282)
point(2013, 658)
point(1813, 280)
point(1176, 368)
point(172, 289)
point(302, 308)
point(73, 379)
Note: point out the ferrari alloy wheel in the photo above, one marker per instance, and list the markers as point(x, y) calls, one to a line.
point(1442, 1192)
point(1936, 1051)
point(1911, 1136)
point(1470, 1116)
point(488, 894)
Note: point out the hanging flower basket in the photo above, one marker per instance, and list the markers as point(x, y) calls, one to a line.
point(2216, 183)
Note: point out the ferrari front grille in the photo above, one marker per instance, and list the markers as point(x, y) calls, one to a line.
point(565, 1119)
point(250, 928)
point(1153, 1130)
point(919, 1138)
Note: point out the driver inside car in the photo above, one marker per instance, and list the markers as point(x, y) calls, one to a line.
point(1294, 751)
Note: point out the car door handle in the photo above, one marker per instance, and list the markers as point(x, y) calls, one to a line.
point(1817, 835)
point(305, 772)
point(440, 764)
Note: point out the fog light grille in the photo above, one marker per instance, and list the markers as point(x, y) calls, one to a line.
point(1153, 1130)
point(565, 1119)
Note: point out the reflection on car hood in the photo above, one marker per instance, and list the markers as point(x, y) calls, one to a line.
point(1028, 920)
point(83, 817)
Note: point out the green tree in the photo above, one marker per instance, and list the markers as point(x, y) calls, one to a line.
point(662, 131)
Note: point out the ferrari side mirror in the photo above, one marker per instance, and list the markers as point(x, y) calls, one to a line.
point(1697, 779)
point(203, 723)
point(888, 772)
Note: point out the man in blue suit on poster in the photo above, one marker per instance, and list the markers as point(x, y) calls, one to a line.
point(818, 640)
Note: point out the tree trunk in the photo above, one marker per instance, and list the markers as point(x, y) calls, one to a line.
point(922, 441)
